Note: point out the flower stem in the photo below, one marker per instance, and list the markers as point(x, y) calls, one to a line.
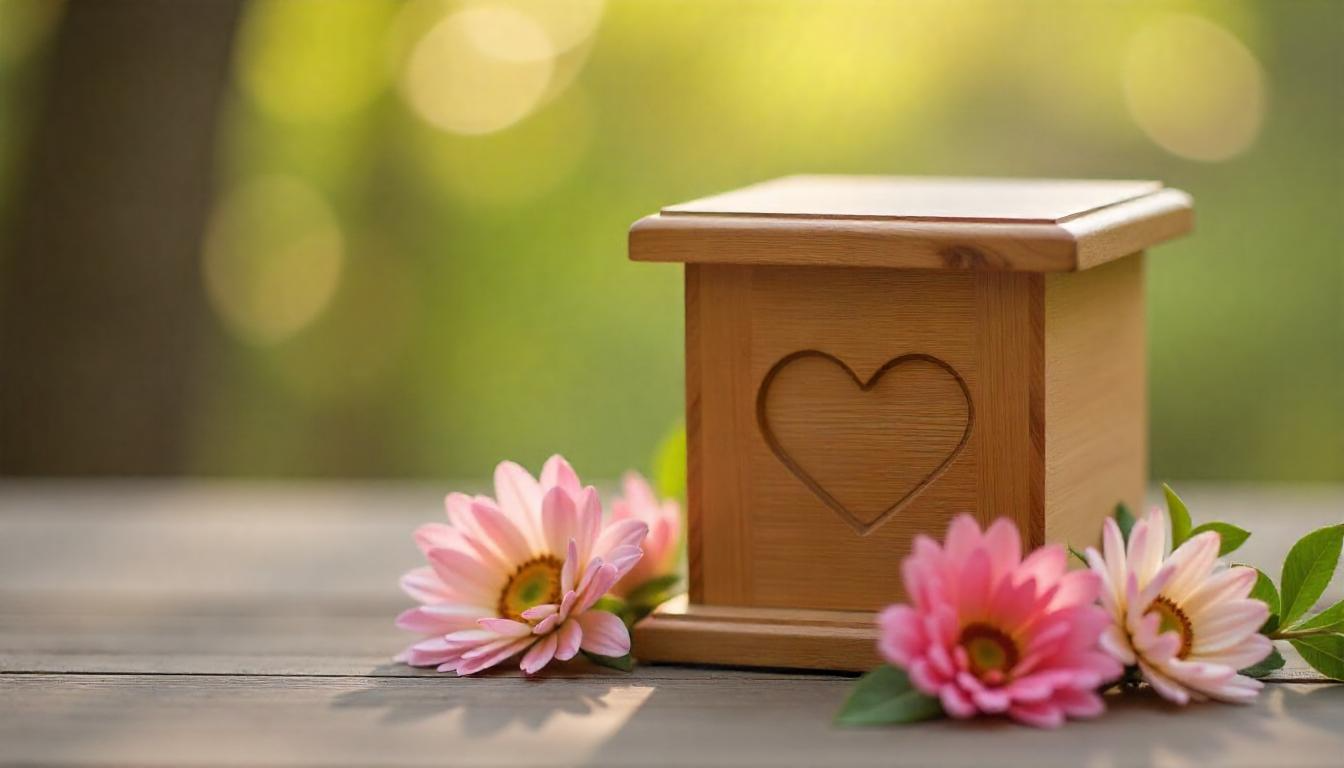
point(1293, 634)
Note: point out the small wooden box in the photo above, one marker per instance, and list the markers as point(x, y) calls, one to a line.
point(867, 357)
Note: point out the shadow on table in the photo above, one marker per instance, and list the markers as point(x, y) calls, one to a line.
point(487, 702)
point(1206, 733)
point(789, 723)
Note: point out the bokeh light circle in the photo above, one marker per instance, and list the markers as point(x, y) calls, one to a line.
point(1194, 88)
point(567, 23)
point(273, 258)
point(479, 70)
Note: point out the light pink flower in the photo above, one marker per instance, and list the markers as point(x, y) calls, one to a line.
point(988, 632)
point(661, 545)
point(519, 574)
point(1186, 620)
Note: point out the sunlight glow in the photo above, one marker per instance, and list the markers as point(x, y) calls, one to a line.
point(273, 258)
point(479, 70)
point(509, 167)
point(1194, 88)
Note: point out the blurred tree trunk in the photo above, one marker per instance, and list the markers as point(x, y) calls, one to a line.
point(102, 301)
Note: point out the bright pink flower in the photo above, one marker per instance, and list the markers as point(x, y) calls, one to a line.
point(520, 575)
point(989, 632)
point(661, 545)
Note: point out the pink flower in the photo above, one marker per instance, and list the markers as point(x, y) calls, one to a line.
point(664, 521)
point(519, 575)
point(989, 632)
point(1186, 620)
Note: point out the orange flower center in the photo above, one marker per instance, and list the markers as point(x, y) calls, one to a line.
point(1170, 618)
point(536, 582)
point(992, 654)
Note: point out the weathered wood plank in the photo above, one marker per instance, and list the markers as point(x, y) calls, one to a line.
point(244, 720)
point(126, 642)
point(261, 578)
point(200, 624)
point(343, 545)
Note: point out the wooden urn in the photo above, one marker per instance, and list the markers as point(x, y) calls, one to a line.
point(867, 357)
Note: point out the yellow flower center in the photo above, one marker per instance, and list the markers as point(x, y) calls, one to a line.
point(992, 654)
point(536, 582)
point(1170, 618)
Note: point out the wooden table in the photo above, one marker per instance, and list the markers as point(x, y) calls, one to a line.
point(241, 624)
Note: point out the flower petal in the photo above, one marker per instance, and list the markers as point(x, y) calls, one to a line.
point(603, 634)
point(557, 473)
point(955, 702)
point(428, 653)
point(424, 585)
point(485, 661)
point(1004, 546)
point(538, 656)
point(440, 619)
point(568, 639)
point(569, 572)
point(601, 581)
point(493, 526)
point(1166, 687)
point(624, 558)
point(539, 612)
point(619, 533)
point(505, 627)
point(1044, 714)
point(519, 498)
point(1194, 561)
point(466, 575)
point(558, 520)
point(588, 523)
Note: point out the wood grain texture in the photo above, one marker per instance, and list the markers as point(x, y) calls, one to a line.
point(766, 527)
point(1096, 397)
point(750, 720)
point(1008, 328)
point(1042, 201)
point(762, 531)
point(904, 362)
point(718, 327)
point(1130, 227)
point(864, 446)
point(800, 369)
point(1029, 235)
point(246, 624)
point(759, 637)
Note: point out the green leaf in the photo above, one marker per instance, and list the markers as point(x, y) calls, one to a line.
point(885, 695)
point(1265, 592)
point(669, 465)
point(1232, 537)
point(1308, 569)
point(1331, 619)
point(1124, 519)
point(610, 604)
point(1325, 653)
point(623, 663)
point(1180, 517)
point(654, 591)
point(1272, 662)
point(1078, 555)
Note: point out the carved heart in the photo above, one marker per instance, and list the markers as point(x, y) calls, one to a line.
point(866, 448)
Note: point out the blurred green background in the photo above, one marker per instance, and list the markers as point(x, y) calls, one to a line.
point(410, 259)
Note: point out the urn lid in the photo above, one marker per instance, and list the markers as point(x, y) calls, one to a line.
point(1033, 225)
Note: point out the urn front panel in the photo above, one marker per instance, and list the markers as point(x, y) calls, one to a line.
point(836, 412)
